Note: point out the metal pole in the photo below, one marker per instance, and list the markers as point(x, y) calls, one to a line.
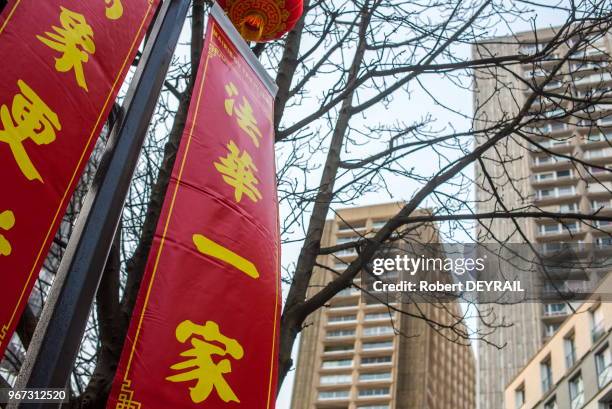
point(57, 338)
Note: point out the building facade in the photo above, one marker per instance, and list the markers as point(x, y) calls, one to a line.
point(350, 354)
point(573, 369)
point(542, 180)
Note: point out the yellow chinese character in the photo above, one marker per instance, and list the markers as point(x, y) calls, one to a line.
point(114, 9)
point(28, 118)
point(74, 40)
point(207, 341)
point(7, 221)
point(237, 169)
point(244, 113)
point(210, 248)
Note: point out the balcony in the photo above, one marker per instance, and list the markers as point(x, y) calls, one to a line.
point(596, 155)
point(378, 330)
point(559, 229)
point(334, 395)
point(348, 292)
point(338, 364)
point(604, 188)
point(547, 162)
point(352, 227)
point(555, 193)
point(340, 334)
point(336, 320)
point(599, 139)
point(593, 79)
point(557, 145)
point(342, 307)
point(554, 177)
point(553, 127)
point(555, 310)
point(375, 393)
point(352, 252)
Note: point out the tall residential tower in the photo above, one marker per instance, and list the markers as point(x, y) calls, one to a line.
point(350, 355)
point(531, 176)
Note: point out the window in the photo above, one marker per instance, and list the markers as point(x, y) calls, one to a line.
point(600, 204)
point(375, 360)
point(339, 348)
point(375, 376)
point(550, 329)
point(354, 225)
point(377, 345)
point(340, 363)
point(597, 323)
point(576, 391)
point(602, 364)
point(374, 392)
point(341, 333)
point(568, 207)
point(373, 316)
point(334, 394)
point(598, 153)
point(540, 177)
point(519, 396)
point(556, 192)
point(570, 351)
point(370, 331)
point(605, 121)
point(378, 224)
point(546, 373)
point(594, 170)
point(342, 318)
point(373, 407)
point(549, 228)
point(335, 379)
point(551, 404)
point(573, 227)
point(564, 173)
point(349, 239)
point(531, 49)
point(543, 160)
point(604, 242)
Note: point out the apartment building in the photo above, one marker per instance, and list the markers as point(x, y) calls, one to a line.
point(573, 369)
point(548, 182)
point(351, 356)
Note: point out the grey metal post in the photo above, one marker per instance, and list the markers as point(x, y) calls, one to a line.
point(57, 338)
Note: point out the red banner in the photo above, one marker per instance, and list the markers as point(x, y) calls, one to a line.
point(63, 64)
point(204, 330)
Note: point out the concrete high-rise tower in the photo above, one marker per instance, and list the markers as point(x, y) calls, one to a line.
point(350, 355)
point(544, 181)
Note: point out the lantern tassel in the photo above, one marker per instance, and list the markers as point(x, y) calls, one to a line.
point(251, 27)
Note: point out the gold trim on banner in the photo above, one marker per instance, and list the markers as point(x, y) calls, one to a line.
point(125, 398)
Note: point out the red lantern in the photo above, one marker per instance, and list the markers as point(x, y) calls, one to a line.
point(263, 20)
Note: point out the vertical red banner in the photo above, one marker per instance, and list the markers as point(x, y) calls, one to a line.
point(205, 327)
point(63, 62)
